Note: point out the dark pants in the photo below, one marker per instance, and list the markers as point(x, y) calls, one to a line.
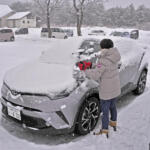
point(106, 106)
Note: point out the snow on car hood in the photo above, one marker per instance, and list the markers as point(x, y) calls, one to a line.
point(51, 74)
point(40, 78)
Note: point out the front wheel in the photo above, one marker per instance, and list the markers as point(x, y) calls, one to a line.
point(12, 39)
point(141, 83)
point(65, 37)
point(88, 116)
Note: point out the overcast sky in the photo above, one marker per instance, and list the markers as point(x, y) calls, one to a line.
point(111, 3)
point(124, 3)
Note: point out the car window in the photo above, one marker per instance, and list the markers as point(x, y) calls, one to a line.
point(52, 30)
point(125, 33)
point(116, 33)
point(87, 44)
point(97, 31)
point(94, 31)
point(44, 30)
point(97, 46)
point(55, 30)
point(61, 30)
point(6, 31)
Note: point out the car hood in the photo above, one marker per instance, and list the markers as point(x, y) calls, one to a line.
point(40, 78)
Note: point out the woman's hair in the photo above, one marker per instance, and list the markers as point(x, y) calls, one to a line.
point(106, 44)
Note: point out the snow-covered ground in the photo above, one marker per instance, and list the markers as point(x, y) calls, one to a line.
point(133, 117)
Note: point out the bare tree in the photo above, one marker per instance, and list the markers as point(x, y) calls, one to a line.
point(78, 6)
point(48, 7)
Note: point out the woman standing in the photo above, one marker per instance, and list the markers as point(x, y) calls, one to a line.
point(107, 74)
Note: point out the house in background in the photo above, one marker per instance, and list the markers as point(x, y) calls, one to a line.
point(5, 12)
point(22, 20)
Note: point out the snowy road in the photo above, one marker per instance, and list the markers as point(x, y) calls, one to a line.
point(134, 114)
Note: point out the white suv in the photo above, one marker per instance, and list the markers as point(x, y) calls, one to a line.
point(44, 94)
point(56, 33)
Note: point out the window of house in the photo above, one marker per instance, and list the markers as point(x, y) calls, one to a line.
point(28, 22)
point(23, 21)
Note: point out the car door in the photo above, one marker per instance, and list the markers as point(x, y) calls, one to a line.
point(57, 33)
point(4, 35)
point(130, 60)
point(61, 34)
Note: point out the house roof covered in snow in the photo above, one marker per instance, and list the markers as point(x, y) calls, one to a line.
point(4, 10)
point(19, 15)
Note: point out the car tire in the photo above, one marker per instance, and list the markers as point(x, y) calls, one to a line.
point(65, 37)
point(141, 83)
point(88, 116)
point(12, 39)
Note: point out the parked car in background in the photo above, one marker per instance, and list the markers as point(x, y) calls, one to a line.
point(69, 32)
point(7, 35)
point(134, 34)
point(116, 33)
point(22, 31)
point(97, 32)
point(46, 94)
point(56, 33)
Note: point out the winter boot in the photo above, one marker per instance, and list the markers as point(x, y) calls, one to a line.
point(113, 124)
point(102, 131)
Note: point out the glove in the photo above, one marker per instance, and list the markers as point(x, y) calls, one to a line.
point(83, 65)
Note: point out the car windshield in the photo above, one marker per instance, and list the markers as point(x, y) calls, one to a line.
point(117, 33)
point(44, 30)
point(69, 31)
point(97, 31)
point(61, 52)
point(88, 45)
point(126, 33)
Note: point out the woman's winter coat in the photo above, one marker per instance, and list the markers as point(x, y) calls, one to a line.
point(107, 74)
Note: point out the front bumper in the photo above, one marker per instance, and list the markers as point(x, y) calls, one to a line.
point(35, 119)
point(38, 111)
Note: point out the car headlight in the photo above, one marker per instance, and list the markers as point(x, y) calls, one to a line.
point(4, 90)
point(60, 95)
point(64, 93)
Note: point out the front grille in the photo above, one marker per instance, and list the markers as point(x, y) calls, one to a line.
point(33, 122)
point(27, 120)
